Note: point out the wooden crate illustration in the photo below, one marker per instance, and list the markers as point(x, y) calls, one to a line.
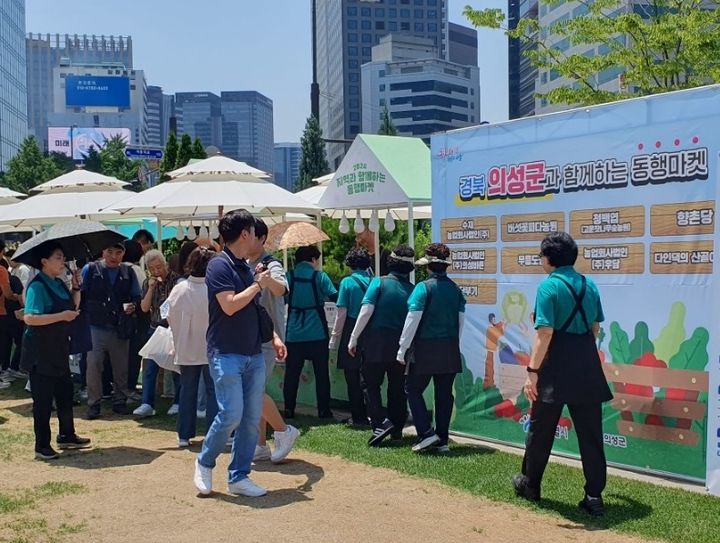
point(682, 387)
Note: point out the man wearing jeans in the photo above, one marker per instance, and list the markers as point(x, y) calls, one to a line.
point(235, 356)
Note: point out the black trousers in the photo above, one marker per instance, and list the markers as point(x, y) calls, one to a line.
point(587, 420)
point(297, 353)
point(356, 396)
point(15, 332)
point(415, 385)
point(5, 342)
point(44, 389)
point(374, 375)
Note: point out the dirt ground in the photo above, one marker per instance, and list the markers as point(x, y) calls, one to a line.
point(137, 485)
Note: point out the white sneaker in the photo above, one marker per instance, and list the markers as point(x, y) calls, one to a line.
point(200, 414)
point(246, 487)
point(182, 443)
point(6, 376)
point(262, 452)
point(18, 374)
point(284, 442)
point(202, 479)
point(174, 409)
point(145, 410)
point(4, 384)
point(27, 386)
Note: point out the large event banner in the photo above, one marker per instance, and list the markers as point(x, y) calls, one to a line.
point(635, 183)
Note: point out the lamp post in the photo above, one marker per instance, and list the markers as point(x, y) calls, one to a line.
point(72, 146)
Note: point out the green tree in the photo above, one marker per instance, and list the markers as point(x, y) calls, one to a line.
point(387, 128)
point(115, 163)
point(62, 161)
point(167, 164)
point(184, 152)
point(29, 167)
point(92, 161)
point(198, 151)
point(653, 47)
point(313, 160)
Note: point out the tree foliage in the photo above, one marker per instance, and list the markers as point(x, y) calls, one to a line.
point(185, 151)
point(167, 164)
point(29, 167)
point(92, 161)
point(198, 151)
point(313, 160)
point(655, 47)
point(116, 164)
point(387, 128)
point(63, 162)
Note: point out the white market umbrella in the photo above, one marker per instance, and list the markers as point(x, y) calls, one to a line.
point(81, 181)
point(8, 196)
point(218, 167)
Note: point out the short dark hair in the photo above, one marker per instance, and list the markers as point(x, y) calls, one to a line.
point(198, 261)
point(261, 229)
point(2, 246)
point(143, 234)
point(560, 249)
point(401, 266)
point(438, 250)
point(357, 259)
point(133, 251)
point(234, 223)
point(46, 250)
point(306, 254)
point(186, 249)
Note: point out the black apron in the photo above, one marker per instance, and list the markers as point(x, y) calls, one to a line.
point(344, 360)
point(380, 345)
point(46, 349)
point(572, 370)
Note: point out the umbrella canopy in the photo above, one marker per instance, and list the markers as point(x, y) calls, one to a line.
point(287, 235)
point(190, 196)
point(78, 239)
point(218, 166)
point(81, 180)
point(8, 196)
point(53, 207)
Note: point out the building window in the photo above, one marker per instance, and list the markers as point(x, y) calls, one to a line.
point(432, 27)
point(379, 25)
point(419, 27)
point(353, 64)
point(353, 89)
point(353, 77)
point(405, 26)
point(418, 2)
point(351, 11)
point(392, 13)
point(352, 24)
point(365, 25)
point(392, 26)
point(367, 38)
point(382, 73)
point(354, 103)
point(365, 12)
point(366, 52)
point(382, 88)
point(405, 13)
point(432, 2)
point(419, 14)
point(354, 129)
point(352, 51)
point(379, 12)
point(352, 38)
point(354, 116)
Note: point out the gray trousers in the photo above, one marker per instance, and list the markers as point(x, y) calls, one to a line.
point(105, 341)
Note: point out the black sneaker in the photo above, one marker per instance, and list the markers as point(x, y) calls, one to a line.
point(93, 412)
point(522, 489)
point(46, 453)
point(593, 506)
point(289, 413)
point(380, 433)
point(426, 440)
point(121, 409)
point(326, 415)
point(73, 442)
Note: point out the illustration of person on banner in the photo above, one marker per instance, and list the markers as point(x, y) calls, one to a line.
point(430, 347)
point(565, 369)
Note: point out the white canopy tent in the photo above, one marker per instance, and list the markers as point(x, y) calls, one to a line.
point(81, 180)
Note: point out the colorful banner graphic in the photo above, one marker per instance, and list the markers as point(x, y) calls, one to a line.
point(635, 183)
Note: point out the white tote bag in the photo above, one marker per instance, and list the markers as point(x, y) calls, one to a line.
point(160, 349)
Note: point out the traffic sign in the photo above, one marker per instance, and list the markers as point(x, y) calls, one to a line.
point(140, 153)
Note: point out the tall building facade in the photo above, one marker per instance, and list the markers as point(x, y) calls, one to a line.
point(198, 115)
point(346, 32)
point(45, 52)
point(247, 128)
point(160, 108)
point(13, 90)
point(521, 73)
point(422, 92)
point(286, 165)
point(462, 45)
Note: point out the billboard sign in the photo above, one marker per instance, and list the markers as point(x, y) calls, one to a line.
point(97, 91)
point(82, 139)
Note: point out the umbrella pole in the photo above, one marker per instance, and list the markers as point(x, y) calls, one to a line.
point(319, 225)
point(158, 230)
point(285, 261)
point(376, 235)
point(411, 234)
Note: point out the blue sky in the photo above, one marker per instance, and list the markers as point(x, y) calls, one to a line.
point(261, 45)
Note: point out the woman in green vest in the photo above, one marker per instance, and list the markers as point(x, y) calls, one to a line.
point(430, 347)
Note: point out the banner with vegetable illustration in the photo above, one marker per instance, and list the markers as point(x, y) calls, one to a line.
point(635, 183)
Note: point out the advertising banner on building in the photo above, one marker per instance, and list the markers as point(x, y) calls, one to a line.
point(635, 183)
point(77, 141)
point(97, 91)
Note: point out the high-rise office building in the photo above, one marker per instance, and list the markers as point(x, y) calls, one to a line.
point(286, 165)
point(45, 52)
point(346, 31)
point(247, 128)
point(422, 92)
point(462, 45)
point(161, 107)
point(522, 75)
point(13, 90)
point(198, 115)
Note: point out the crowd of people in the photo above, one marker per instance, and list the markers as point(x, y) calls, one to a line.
point(234, 312)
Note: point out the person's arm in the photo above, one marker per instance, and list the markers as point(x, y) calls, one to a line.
point(366, 312)
point(543, 335)
point(148, 289)
point(5, 285)
point(280, 348)
point(75, 283)
point(231, 303)
point(338, 326)
point(277, 285)
point(416, 307)
point(50, 318)
point(328, 290)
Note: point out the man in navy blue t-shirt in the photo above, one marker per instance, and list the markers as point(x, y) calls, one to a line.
point(235, 356)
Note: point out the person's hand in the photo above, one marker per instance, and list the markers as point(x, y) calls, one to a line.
point(263, 278)
point(352, 351)
point(76, 279)
point(280, 349)
point(152, 281)
point(259, 268)
point(530, 388)
point(129, 308)
point(69, 316)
